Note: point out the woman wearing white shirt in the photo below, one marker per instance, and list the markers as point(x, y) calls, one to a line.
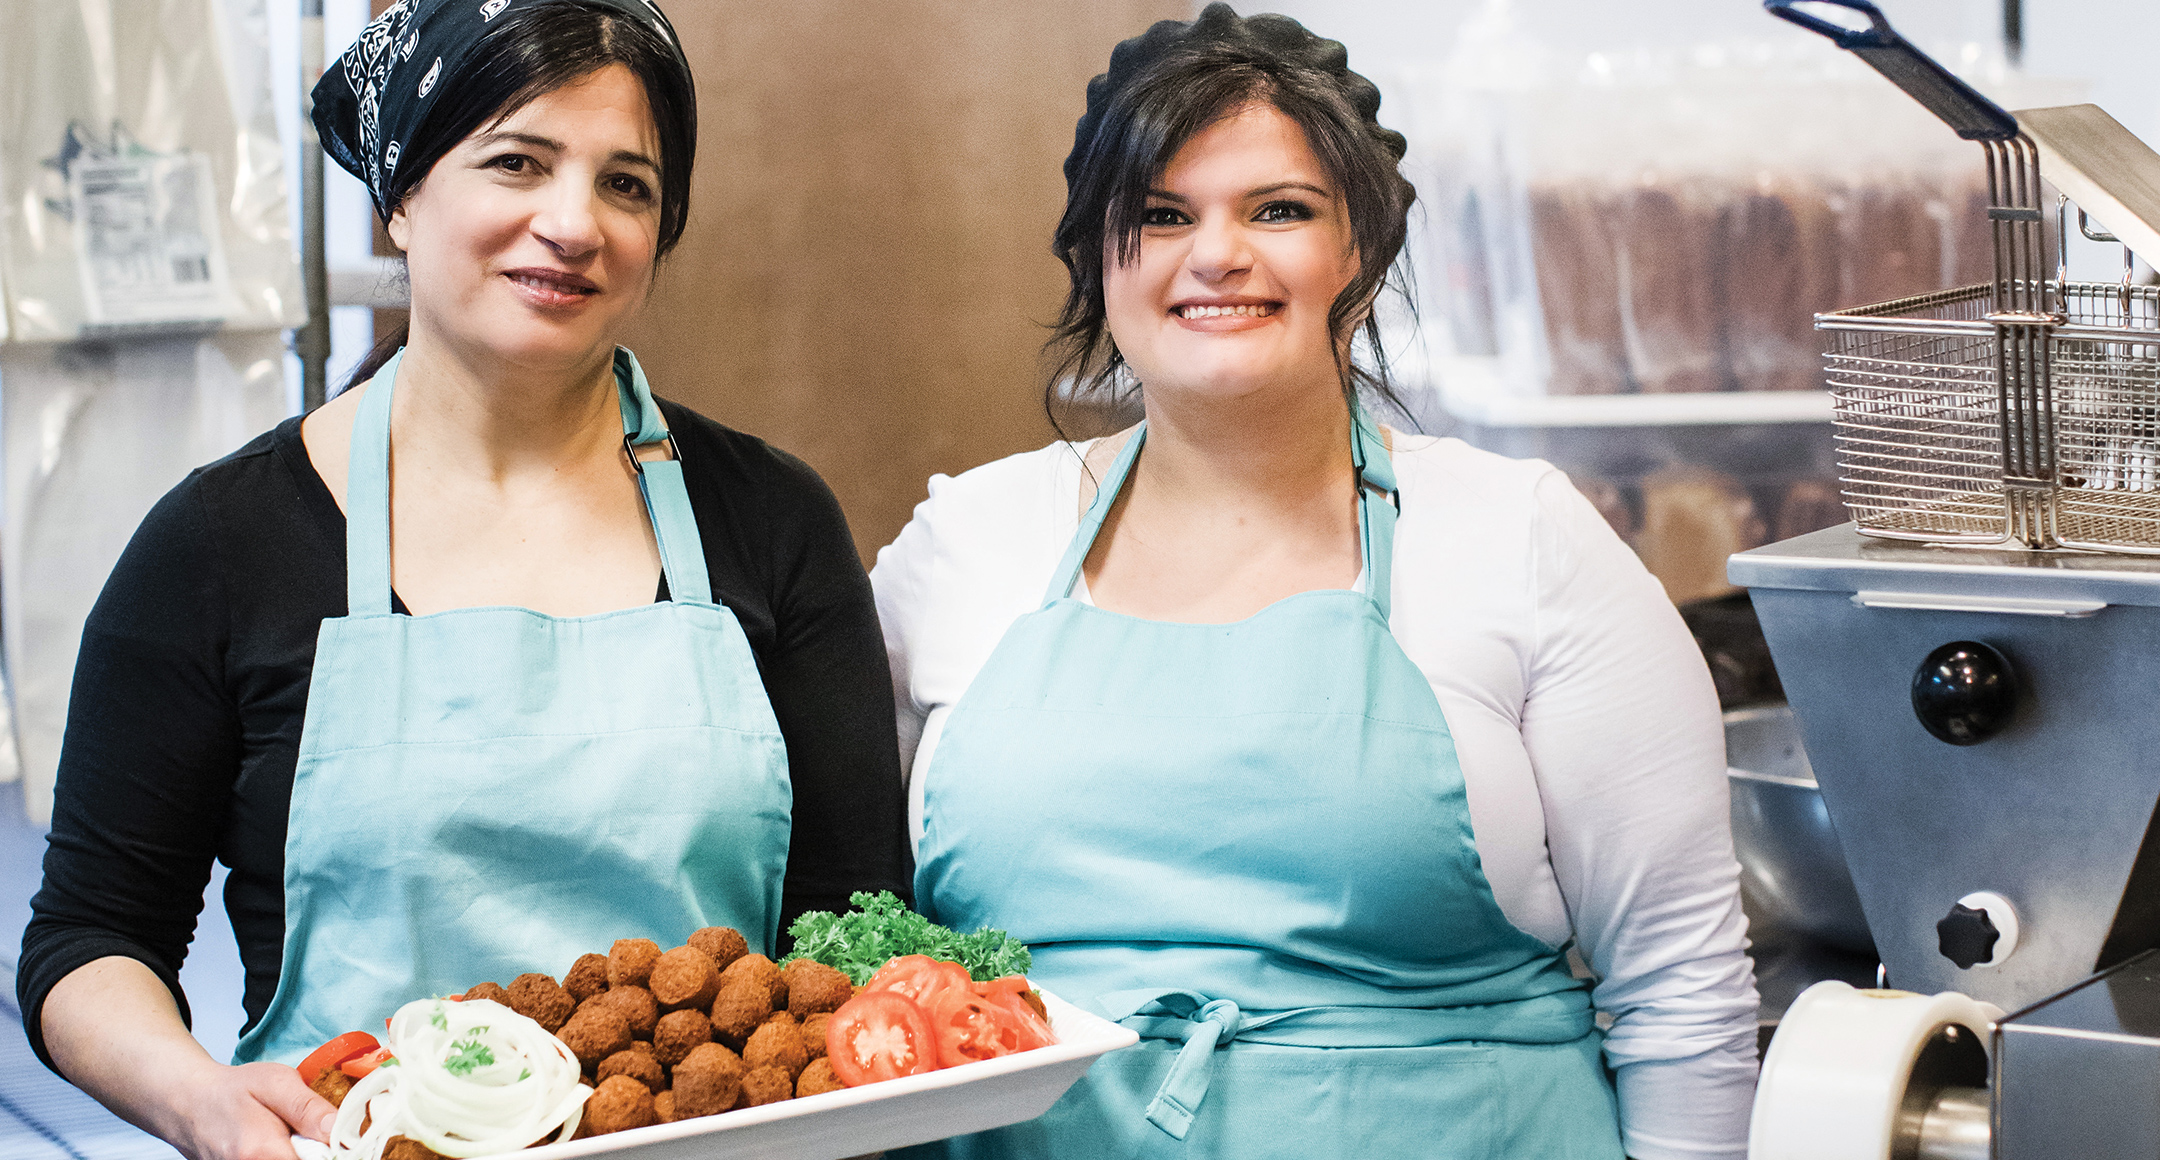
point(1296, 737)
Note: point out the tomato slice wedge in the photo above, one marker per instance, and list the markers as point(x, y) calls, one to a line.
point(335, 1052)
point(918, 977)
point(1034, 1030)
point(360, 1065)
point(879, 1035)
point(971, 1028)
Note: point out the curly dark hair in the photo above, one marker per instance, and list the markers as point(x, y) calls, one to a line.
point(1167, 85)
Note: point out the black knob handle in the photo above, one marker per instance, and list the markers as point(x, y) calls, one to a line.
point(1966, 936)
point(1964, 692)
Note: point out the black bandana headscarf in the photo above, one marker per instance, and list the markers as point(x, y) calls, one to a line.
point(376, 95)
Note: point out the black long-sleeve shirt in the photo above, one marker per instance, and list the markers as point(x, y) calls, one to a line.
point(192, 682)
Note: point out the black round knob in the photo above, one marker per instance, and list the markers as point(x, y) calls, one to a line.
point(1964, 692)
point(1966, 936)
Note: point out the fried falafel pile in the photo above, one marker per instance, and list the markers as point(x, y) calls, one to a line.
point(701, 1029)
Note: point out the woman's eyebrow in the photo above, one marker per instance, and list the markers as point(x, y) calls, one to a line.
point(1279, 186)
point(627, 157)
point(534, 140)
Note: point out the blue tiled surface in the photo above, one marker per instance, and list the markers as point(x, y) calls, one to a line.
point(42, 1117)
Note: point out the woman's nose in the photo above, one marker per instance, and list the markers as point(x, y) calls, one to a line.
point(569, 224)
point(1219, 250)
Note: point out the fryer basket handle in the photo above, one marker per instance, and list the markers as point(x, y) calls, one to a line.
point(1960, 105)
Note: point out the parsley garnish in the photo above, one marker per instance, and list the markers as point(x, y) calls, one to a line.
point(469, 1054)
point(881, 928)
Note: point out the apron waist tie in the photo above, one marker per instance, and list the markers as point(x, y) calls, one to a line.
point(1206, 1024)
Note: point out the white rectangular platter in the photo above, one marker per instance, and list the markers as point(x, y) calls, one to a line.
point(914, 1109)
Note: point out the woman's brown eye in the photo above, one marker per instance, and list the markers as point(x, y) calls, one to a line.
point(1161, 216)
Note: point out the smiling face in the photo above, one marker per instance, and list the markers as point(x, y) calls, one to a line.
point(1244, 245)
point(533, 239)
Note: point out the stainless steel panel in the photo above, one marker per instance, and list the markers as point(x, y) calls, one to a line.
point(1840, 559)
point(2079, 1074)
point(2049, 813)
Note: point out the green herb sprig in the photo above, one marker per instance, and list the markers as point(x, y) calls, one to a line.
point(881, 928)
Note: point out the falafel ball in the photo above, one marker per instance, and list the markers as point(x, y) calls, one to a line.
point(766, 1085)
point(707, 1081)
point(777, 1045)
point(595, 1033)
point(619, 1103)
point(679, 1034)
point(630, 961)
point(492, 992)
point(684, 977)
point(813, 1035)
point(813, 987)
point(332, 1085)
point(538, 998)
point(762, 969)
point(635, 1064)
point(634, 1004)
point(663, 1106)
point(407, 1148)
point(724, 944)
point(818, 1078)
point(742, 1004)
point(586, 977)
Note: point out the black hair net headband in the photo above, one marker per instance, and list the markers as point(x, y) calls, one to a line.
point(376, 95)
point(1221, 31)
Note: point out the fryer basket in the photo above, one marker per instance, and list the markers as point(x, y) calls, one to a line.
point(2025, 410)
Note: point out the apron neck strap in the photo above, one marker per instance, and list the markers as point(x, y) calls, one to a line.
point(367, 492)
point(1378, 504)
point(1083, 541)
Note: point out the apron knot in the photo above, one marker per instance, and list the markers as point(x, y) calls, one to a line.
point(1204, 1024)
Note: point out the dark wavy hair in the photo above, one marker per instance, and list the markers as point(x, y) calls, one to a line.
point(535, 51)
point(1165, 86)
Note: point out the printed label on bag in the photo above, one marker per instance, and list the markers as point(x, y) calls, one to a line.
point(147, 239)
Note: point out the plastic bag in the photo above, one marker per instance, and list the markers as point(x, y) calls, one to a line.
point(1670, 220)
point(143, 181)
point(92, 434)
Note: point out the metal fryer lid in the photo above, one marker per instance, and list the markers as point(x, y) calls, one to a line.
point(2104, 168)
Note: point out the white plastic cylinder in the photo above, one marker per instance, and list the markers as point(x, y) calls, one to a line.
point(1836, 1072)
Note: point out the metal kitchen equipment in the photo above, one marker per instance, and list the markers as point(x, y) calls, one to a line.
point(1793, 873)
point(2045, 791)
point(2026, 409)
point(1982, 725)
point(1982, 719)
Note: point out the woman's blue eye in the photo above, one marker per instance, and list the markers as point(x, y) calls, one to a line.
point(1284, 211)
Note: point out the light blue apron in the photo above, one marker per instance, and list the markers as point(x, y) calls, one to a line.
point(1251, 843)
point(489, 791)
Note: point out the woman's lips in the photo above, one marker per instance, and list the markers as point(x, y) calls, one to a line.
point(551, 287)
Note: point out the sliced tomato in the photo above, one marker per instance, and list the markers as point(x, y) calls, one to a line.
point(879, 1035)
point(359, 1065)
point(971, 1027)
point(335, 1052)
point(1024, 1005)
point(919, 977)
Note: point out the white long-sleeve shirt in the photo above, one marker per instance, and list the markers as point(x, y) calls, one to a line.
point(1582, 713)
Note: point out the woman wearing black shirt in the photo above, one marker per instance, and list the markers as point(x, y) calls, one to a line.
point(490, 748)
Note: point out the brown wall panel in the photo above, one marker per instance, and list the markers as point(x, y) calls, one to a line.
point(867, 265)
